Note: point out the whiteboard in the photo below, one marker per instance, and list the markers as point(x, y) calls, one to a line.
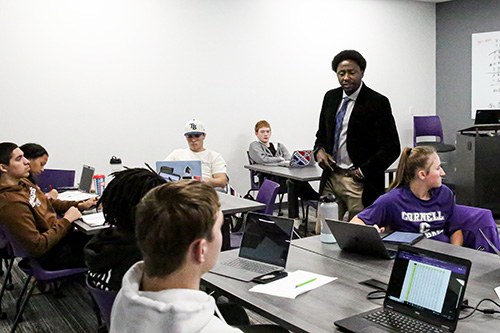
point(485, 71)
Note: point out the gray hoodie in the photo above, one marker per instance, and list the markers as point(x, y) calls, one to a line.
point(172, 310)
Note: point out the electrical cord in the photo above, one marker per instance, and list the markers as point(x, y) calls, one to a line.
point(485, 311)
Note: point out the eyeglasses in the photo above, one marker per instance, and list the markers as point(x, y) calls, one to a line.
point(190, 136)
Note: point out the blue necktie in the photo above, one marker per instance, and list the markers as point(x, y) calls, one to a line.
point(338, 128)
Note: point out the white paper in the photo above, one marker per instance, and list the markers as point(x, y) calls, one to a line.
point(94, 220)
point(75, 196)
point(294, 284)
point(497, 290)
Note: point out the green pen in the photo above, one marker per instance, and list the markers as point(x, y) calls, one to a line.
point(303, 283)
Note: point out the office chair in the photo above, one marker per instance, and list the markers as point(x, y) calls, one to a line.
point(254, 179)
point(430, 126)
point(267, 195)
point(31, 267)
point(470, 220)
point(103, 303)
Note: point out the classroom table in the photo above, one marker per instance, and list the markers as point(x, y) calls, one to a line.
point(316, 310)
point(304, 174)
point(229, 205)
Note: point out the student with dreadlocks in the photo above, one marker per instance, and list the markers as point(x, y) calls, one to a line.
point(418, 201)
point(114, 250)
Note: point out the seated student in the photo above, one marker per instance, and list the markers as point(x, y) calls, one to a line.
point(417, 201)
point(265, 152)
point(31, 218)
point(178, 231)
point(112, 251)
point(38, 157)
point(213, 166)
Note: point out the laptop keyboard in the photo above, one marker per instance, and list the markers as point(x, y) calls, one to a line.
point(248, 265)
point(400, 322)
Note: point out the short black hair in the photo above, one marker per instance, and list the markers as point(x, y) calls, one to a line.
point(124, 192)
point(349, 55)
point(6, 149)
point(33, 150)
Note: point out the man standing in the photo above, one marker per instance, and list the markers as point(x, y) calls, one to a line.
point(357, 139)
point(213, 166)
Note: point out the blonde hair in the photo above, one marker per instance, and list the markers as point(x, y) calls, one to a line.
point(412, 159)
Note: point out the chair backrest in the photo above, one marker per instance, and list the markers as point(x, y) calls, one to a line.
point(52, 178)
point(254, 185)
point(470, 220)
point(35, 268)
point(104, 300)
point(267, 195)
point(427, 126)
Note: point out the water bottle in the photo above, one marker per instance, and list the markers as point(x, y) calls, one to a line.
point(115, 164)
point(328, 209)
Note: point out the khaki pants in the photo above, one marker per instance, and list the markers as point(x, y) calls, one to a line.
point(347, 191)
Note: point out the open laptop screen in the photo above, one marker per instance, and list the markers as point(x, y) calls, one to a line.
point(86, 179)
point(428, 284)
point(487, 117)
point(266, 239)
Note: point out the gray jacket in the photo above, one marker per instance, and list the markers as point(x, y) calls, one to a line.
point(261, 154)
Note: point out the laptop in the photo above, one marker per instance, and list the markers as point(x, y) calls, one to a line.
point(362, 239)
point(83, 190)
point(299, 159)
point(426, 288)
point(264, 248)
point(175, 170)
point(487, 117)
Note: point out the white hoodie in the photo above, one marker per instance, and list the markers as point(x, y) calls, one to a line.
point(172, 310)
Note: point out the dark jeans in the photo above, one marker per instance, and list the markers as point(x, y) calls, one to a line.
point(298, 190)
point(68, 253)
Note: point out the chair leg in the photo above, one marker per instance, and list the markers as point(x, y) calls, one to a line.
point(23, 305)
point(23, 291)
point(7, 284)
point(279, 206)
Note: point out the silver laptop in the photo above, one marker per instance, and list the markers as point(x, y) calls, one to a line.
point(362, 239)
point(264, 248)
point(425, 291)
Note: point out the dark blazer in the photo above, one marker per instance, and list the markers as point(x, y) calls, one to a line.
point(372, 137)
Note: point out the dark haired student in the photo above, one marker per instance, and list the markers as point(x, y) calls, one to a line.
point(38, 157)
point(31, 219)
point(113, 250)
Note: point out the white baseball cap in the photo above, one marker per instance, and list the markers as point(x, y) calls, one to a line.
point(194, 127)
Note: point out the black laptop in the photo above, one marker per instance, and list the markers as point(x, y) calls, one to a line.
point(425, 292)
point(362, 239)
point(264, 248)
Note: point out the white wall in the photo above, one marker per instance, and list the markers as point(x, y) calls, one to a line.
point(91, 79)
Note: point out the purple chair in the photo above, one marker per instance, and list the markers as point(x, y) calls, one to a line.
point(267, 195)
point(54, 179)
point(103, 303)
point(470, 220)
point(430, 126)
point(32, 268)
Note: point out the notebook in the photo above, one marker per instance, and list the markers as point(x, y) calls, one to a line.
point(487, 117)
point(362, 239)
point(264, 248)
point(426, 288)
point(175, 170)
point(83, 191)
point(299, 159)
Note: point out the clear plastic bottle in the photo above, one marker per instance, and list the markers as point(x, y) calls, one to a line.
point(328, 209)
